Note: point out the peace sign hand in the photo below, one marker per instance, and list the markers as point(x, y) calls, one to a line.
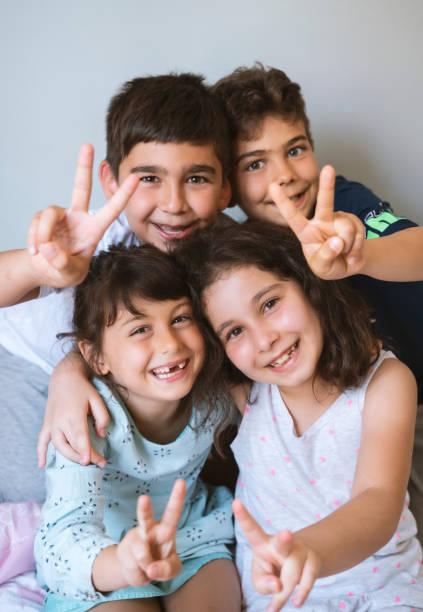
point(280, 562)
point(148, 551)
point(61, 241)
point(332, 242)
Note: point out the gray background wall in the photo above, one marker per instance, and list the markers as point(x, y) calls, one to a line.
point(359, 64)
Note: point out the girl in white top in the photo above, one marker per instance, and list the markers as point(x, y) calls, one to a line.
point(325, 441)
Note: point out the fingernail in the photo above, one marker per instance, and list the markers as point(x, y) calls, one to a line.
point(102, 432)
point(32, 250)
point(102, 464)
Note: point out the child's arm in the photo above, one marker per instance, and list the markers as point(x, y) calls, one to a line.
point(334, 246)
point(71, 398)
point(147, 552)
point(365, 523)
point(397, 257)
point(61, 241)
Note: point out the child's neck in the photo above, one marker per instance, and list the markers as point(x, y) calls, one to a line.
point(308, 402)
point(162, 423)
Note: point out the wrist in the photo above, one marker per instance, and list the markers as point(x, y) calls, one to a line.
point(106, 572)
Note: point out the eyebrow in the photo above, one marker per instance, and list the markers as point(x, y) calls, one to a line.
point(255, 299)
point(259, 152)
point(195, 168)
point(134, 318)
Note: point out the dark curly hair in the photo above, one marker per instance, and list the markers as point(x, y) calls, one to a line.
point(249, 94)
point(349, 344)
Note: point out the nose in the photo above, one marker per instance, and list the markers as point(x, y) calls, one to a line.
point(284, 171)
point(264, 337)
point(166, 340)
point(174, 201)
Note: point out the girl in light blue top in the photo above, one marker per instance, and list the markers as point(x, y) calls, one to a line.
point(144, 533)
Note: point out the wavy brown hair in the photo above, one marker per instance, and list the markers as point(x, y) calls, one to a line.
point(249, 94)
point(349, 344)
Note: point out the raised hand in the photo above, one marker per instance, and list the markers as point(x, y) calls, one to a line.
point(61, 241)
point(148, 551)
point(332, 242)
point(280, 562)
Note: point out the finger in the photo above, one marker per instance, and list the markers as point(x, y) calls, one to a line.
point(110, 211)
point(49, 224)
point(83, 178)
point(356, 253)
point(326, 195)
point(78, 440)
point(164, 569)
point(142, 554)
point(308, 578)
point(99, 413)
point(346, 229)
point(31, 241)
point(42, 444)
point(322, 260)
point(251, 529)
point(145, 516)
point(97, 459)
point(135, 575)
point(293, 217)
point(282, 543)
point(267, 584)
point(62, 445)
point(172, 512)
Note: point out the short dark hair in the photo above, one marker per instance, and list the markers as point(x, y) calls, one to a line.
point(349, 344)
point(114, 278)
point(166, 108)
point(249, 94)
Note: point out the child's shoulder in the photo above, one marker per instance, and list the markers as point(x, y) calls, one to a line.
point(387, 373)
point(354, 197)
point(376, 214)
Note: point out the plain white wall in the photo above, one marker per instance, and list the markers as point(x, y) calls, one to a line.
point(359, 64)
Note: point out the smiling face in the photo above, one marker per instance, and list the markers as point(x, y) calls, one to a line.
point(280, 152)
point(155, 355)
point(181, 190)
point(267, 326)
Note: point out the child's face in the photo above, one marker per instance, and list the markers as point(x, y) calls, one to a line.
point(181, 190)
point(267, 326)
point(156, 355)
point(281, 153)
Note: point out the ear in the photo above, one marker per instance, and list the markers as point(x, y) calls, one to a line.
point(99, 366)
point(225, 194)
point(107, 179)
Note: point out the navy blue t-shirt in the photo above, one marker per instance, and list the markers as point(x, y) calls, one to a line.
point(397, 307)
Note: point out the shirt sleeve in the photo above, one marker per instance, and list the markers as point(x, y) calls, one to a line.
point(72, 532)
point(377, 216)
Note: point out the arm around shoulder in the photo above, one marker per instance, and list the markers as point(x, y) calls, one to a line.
point(18, 281)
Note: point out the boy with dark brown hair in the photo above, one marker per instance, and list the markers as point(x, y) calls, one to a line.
point(165, 176)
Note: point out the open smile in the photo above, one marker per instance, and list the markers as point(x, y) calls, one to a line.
point(171, 371)
point(286, 358)
point(174, 232)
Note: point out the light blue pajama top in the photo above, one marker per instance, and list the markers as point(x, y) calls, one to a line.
point(89, 508)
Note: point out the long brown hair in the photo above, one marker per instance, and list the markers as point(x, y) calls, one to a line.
point(349, 344)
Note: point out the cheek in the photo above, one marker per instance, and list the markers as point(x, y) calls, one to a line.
point(240, 355)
